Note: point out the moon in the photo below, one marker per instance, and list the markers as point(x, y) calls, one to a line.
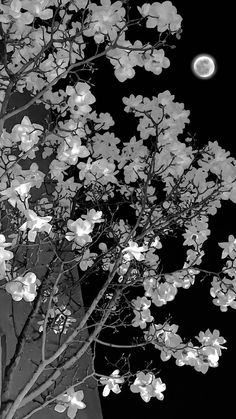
point(204, 66)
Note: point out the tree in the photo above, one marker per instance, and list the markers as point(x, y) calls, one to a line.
point(76, 215)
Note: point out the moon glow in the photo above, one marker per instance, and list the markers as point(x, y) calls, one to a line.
point(203, 66)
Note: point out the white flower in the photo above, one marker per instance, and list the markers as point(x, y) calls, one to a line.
point(94, 216)
point(80, 230)
point(17, 189)
point(80, 227)
point(133, 251)
point(23, 287)
point(27, 133)
point(72, 401)
point(111, 383)
point(35, 224)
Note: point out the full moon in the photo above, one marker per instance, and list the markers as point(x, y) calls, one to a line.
point(203, 66)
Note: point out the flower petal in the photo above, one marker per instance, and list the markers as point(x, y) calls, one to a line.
point(79, 395)
point(60, 408)
point(106, 391)
point(71, 412)
point(116, 389)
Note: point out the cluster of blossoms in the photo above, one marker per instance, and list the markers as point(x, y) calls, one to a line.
point(165, 338)
point(207, 355)
point(147, 385)
point(102, 22)
point(223, 289)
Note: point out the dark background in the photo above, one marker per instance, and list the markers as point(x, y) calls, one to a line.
point(207, 28)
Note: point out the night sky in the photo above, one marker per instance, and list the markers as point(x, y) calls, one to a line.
point(207, 29)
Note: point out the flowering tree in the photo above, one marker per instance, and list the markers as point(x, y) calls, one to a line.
point(168, 185)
